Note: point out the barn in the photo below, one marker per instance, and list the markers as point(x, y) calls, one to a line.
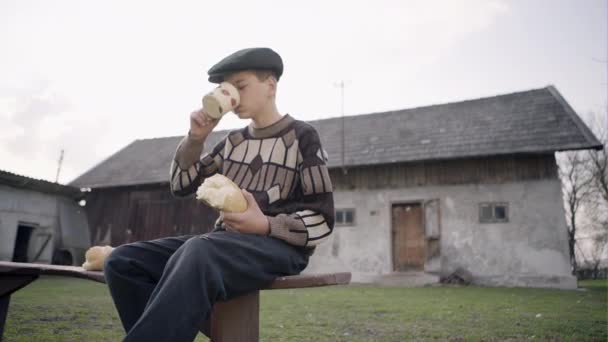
point(41, 221)
point(470, 185)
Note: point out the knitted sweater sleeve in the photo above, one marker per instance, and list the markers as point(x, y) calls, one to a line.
point(312, 220)
point(189, 169)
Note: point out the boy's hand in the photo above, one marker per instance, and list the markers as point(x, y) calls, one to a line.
point(201, 124)
point(251, 221)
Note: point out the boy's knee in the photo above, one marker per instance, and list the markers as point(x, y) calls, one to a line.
point(197, 252)
point(198, 245)
point(117, 258)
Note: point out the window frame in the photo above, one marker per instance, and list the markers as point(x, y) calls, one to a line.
point(493, 206)
point(343, 212)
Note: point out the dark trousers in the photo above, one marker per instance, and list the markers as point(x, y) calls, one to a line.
point(164, 289)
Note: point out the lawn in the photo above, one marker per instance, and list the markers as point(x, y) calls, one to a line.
point(68, 309)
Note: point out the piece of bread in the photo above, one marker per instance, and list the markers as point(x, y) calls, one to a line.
point(221, 193)
point(95, 257)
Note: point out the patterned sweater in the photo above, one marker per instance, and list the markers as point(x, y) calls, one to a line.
point(282, 165)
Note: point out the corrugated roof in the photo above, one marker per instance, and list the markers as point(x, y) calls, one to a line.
point(28, 183)
point(533, 121)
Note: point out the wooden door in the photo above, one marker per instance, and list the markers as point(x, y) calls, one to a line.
point(409, 241)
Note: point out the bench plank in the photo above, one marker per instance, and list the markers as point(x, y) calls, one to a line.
point(312, 280)
point(287, 282)
point(233, 320)
point(37, 269)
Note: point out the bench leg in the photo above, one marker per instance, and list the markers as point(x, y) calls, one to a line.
point(4, 301)
point(237, 320)
point(10, 283)
point(204, 328)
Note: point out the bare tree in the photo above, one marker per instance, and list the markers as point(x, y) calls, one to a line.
point(599, 244)
point(584, 176)
point(599, 158)
point(592, 257)
point(598, 203)
point(595, 198)
point(576, 180)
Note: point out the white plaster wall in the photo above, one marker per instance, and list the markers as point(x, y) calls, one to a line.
point(530, 250)
point(26, 207)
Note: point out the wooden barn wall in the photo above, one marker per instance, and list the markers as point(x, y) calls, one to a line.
point(497, 169)
point(150, 211)
point(144, 213)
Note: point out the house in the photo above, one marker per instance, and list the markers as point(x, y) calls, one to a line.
point(467, 185)
point(41, 221)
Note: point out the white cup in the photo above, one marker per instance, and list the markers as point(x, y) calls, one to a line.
point(221, 100)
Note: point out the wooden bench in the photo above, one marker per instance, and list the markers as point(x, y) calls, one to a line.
point(242, 312)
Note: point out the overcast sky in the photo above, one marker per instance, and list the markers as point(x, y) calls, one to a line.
point(92, 76)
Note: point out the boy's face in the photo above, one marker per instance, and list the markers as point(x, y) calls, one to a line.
point(255, 95)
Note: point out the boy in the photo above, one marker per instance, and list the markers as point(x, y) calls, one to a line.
point(163, 289)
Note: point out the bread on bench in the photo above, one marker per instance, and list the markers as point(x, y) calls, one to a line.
point(95, 257)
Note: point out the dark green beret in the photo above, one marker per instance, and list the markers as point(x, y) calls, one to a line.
point(247, 59)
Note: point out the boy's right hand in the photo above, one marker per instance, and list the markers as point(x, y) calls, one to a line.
point(201, 124)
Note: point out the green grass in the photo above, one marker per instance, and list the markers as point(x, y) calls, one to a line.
point(68, 309)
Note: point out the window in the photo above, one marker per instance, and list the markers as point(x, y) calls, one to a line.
point(485, 212)
point(493, 212)
point(345, 217)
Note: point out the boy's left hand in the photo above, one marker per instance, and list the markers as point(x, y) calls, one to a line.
point(251, 221)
